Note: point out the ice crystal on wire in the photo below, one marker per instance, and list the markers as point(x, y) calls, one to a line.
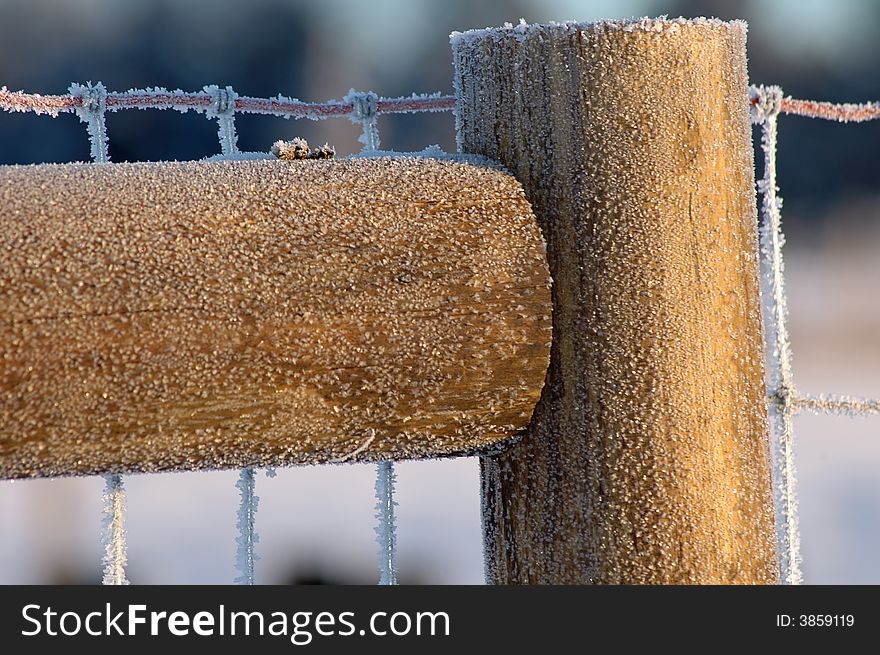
point(113, 530)
point(91, 112)
point(247, 535)
point(386, 528)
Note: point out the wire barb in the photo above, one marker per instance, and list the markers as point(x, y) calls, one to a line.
point(365, 111)
point(223, 109)
point(91, 110)
point(765, 102)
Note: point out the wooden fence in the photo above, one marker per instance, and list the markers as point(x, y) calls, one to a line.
point(238, 313)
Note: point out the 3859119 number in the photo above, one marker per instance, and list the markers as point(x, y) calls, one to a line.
point(826, 620)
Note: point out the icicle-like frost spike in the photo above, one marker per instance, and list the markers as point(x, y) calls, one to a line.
point(386, 528)
point(91, 112)
point(223, 109)
point(780, 384)
point(113, 530)
point(247, 535)
point(365, 111)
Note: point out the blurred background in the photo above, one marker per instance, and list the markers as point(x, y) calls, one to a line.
point(316, 523)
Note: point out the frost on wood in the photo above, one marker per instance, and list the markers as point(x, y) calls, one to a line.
point(247, 538)
point(386, 530)
point(255, 313)
point(113, 530)
point(647, 460)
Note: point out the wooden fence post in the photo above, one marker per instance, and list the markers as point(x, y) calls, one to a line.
point(647, 458)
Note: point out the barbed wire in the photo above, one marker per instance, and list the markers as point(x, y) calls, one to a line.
point(92, 101)
point(845, 112)
point(159, 98)
point(845, 405)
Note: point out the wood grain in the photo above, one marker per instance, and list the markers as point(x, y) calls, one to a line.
point(647, 459)
point(222, 314)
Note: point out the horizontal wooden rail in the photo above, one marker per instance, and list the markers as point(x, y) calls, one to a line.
point(208, 315)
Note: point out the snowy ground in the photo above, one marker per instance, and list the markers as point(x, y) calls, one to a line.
point(317, 523)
